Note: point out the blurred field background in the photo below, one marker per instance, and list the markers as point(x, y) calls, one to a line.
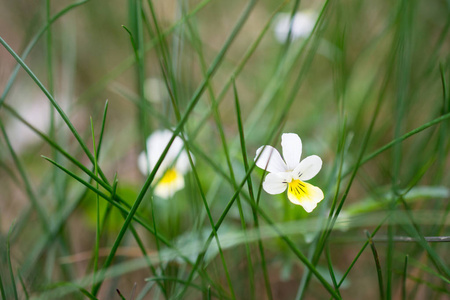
point(367, 90)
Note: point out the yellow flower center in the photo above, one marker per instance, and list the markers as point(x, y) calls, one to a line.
point(304, 194)
point(170, 176)
point(297, 188)
point(171, 182)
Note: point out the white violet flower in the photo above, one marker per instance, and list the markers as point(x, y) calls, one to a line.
point(302, 24)
point(169, 177)
point(290, 173)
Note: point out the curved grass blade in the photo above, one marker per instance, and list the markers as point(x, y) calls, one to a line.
point(250, 190)
point(377, 264)
point(405, 275)
point(32, 43)
point(10, 269)
point(177, 130)
point(89, 173)
point(52, 101)
point(2, 288)
point(28, 188)
point(226, 151)
point(124, 210)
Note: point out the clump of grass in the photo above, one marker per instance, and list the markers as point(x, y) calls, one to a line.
point(366, 89)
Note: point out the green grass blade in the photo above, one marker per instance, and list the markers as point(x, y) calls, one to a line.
point(252, 48)
point(288, 241)
point(403, 69)
point(400, 139)
point(55, 105)
point(100, 137)
point(405, 276)
point(183, 120)
point(2, 288)
point(33, 42)
point(377, 265)
point(250, 190)
point(97, 223)
point(24, 288)
point(414, 231)
point(166, 66)
point(128, 62)
point(226, 151)
point(214, 231)
point(429, 270)
point(330, 269)
point(10, 268)
point(87, 171)
point(124, 210)
point(51, 99)
point(420, 281)
point(414, 181)
point(29, 189)
point(120, 295)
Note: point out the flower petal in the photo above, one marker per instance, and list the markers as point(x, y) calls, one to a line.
point(292, 149)
point(183, 165)
point(304, 194)
point(156, 144)
point(274, 183)
point(143, 164)
point(302, 25)
point(308, 168)
point(270, 159)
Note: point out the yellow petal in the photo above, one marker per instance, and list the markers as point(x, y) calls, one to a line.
point(304, 194)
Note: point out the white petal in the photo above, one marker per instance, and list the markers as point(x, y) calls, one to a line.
point(183, 165)
point(309, 206)
point(302, 24)
point(270, 159)
point(292, 149)
point(274, 184)
point(143, 163)
point(175, 148)
point(308, 168)
point(156, 144)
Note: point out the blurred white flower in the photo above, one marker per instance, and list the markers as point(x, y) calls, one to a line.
point(302, 25)
point(169, 177)
point(291, 172)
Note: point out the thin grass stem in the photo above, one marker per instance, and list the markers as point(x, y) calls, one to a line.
point(405, 276)
point(377, 265)
point(10, 268)
point(250, 191)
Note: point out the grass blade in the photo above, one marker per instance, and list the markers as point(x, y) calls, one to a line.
point(10, 268)
point(29, 190)
point(250, 190)
point(377, 265)
point(33, 42)
point(183, 120)
point(405, 275)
